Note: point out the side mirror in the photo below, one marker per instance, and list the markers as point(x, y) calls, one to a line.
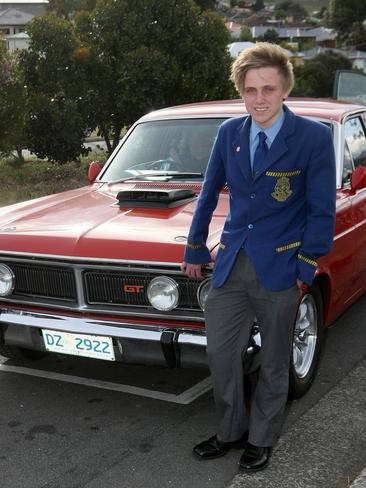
point(358, 178)
point(93, 172)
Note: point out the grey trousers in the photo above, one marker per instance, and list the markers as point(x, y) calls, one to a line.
point(229, 313)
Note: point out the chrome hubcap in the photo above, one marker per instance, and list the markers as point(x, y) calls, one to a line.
point(305, 336)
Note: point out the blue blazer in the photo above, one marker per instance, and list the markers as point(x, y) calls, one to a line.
point(283, 216)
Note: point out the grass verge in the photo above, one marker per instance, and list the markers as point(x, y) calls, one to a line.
point(33, 178)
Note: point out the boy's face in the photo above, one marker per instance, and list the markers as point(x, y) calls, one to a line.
point(263, 93)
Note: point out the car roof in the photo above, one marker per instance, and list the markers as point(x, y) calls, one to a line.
point(317, 108)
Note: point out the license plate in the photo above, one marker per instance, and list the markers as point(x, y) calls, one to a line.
point(90, 346)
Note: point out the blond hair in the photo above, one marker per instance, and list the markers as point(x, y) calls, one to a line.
point(262, 55)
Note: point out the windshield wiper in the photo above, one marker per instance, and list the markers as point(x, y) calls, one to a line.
point(165, 174)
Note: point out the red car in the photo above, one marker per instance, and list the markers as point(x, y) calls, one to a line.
point(96, 271)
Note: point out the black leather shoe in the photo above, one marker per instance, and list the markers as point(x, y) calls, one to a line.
point(213, 448)
point(254, 458)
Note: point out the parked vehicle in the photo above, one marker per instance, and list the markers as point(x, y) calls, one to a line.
point(96, 271)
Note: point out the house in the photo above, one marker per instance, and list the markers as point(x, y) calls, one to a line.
point(358, 58)
point(32, 7)
point(235, 48)
point(319, 35)
point(324, 37)
point(17, 41)
point(238, 13)
point(234, 28)
point(258, 18)
point(13, 21)
point(284, 33)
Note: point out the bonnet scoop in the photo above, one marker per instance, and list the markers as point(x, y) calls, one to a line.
point(157, 198)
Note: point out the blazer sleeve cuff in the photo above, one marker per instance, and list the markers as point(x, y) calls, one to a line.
point(306, 267)
point(197, 254)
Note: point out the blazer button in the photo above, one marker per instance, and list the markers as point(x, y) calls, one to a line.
point(252, 195)
point(250, 226)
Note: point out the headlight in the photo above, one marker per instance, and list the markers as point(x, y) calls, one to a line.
point(163, 293)
point(6, 280)
point(202, 292)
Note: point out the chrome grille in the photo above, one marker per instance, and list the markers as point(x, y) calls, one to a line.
point(55, 282)
point(109, 287)
point(75, 284)
point(119, 288)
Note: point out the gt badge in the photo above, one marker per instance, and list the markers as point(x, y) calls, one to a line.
point(133, 288)
point(282, 190)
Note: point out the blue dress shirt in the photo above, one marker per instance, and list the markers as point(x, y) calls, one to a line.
point(271, 133)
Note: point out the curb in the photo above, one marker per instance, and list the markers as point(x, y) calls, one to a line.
point(325, 448)
point(360, 481)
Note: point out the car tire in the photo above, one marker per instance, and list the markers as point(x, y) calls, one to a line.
point(308, 339)
point(19, 353)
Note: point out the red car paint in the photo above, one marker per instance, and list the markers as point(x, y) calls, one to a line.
point(88, 226)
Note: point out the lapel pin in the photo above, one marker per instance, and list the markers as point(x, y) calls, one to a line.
point(237, 149)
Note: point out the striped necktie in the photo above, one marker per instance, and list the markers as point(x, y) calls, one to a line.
point(260, 153)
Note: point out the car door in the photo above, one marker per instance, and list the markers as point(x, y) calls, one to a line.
point(340, 262)
point(355, 138)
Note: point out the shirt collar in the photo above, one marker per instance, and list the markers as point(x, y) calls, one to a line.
point(271, 132)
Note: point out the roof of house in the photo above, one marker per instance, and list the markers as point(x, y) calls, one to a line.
point(320, 33)
point(13, 16)
point(235, 48)
point(233, 25)
point(323, 33)
point(350, 54)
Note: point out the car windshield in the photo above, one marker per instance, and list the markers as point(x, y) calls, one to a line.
point(165, 149)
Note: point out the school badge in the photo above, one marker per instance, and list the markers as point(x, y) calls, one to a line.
point(282, 190)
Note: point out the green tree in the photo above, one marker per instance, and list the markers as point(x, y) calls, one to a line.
point(58, 112)
point(67, 8)
point(271, 35)
point(258, 5)
point(316, 77)
point(347, 18)
point(12, 104)
point(280, 14)
point(146, 54)
point(207, 4)
point(292, 9)
point(245, 34)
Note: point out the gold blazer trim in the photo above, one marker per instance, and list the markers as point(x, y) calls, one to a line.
point(288, 246)
point(222, 246)
point(193, 246)
point(307, 260)
point(280, 174)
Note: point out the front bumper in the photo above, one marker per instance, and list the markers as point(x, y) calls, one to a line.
point(133, 343)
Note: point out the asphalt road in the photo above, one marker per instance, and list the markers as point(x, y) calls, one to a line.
point(78, 423)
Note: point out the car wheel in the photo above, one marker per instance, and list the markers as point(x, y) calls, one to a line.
point(14, 352)
point(309, 334)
